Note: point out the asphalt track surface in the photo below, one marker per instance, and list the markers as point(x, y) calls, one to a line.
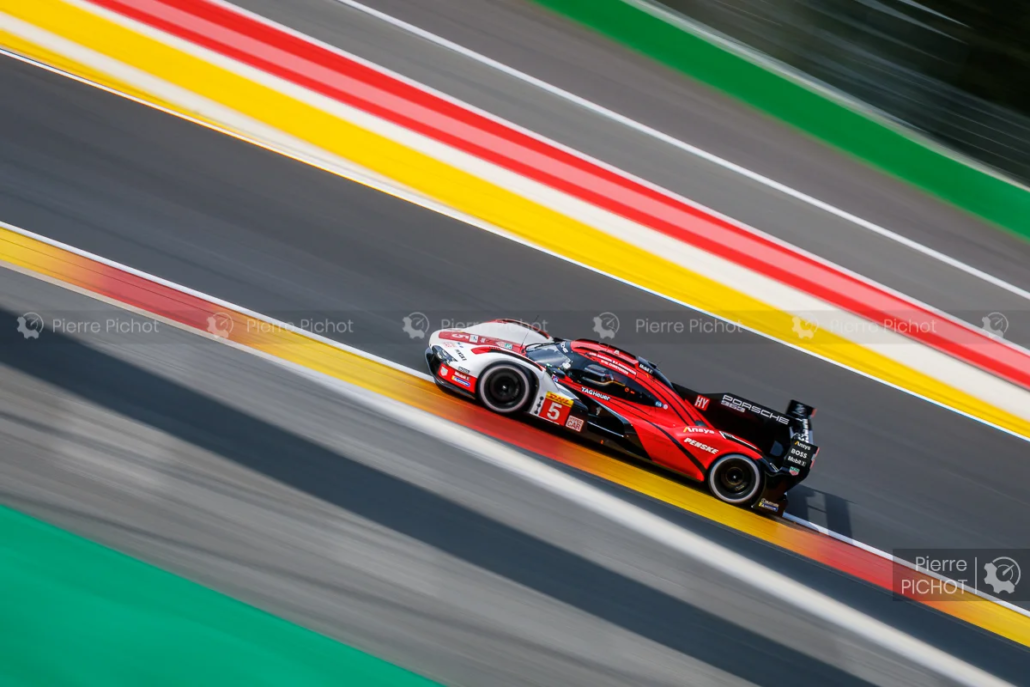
point(535, 41)
point(229, 219)
point(259, 482)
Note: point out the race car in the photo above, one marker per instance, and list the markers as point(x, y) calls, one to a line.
point(746, 454)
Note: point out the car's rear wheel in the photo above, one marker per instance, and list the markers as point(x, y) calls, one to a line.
point(735, 479)
point(504, 388)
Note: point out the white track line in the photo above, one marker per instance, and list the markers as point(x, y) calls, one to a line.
point(686, 147)
point(281, 325)
point(302, 152)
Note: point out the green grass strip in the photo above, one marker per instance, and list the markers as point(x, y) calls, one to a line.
point(77, 613)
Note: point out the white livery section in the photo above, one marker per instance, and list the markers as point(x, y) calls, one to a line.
point(487, 362)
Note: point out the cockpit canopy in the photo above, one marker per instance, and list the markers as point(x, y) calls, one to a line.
point(561, 359)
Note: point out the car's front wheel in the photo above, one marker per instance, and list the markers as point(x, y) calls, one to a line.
point(504, 388)
point(735, 479)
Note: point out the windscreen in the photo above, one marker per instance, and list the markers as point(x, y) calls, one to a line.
point(548, 355)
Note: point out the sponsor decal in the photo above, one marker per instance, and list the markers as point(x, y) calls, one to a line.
point(575, 424)
point(505, 344)
point(800, 453)
point(551, 396)
point(794, 472)
point(463, 370)
point(799, 409)
point(556, 408)
point(474, 338)
point(742, 406)
point(615, 364)
point(596, 394)
point(697, 444)
point(460, 354)
point(702, 402)
point(457, 377)
point(695, 429)
point(766, 504)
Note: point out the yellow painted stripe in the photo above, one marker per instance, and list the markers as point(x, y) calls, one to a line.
point(505, 209)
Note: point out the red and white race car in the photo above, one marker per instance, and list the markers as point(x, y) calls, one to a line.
point(746, 454)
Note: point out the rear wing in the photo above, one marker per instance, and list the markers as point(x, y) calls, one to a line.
point(774, 433)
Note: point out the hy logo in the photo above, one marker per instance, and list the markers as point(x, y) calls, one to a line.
point(220, 325)
point(995, 324)
point(30, 325)
point(606, 325)
point(415, 325)
point(805, 329)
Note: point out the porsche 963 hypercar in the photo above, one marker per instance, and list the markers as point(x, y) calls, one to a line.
point(746, 454)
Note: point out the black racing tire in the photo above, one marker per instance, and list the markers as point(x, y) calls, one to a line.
point(735, 479)
point(504, 388)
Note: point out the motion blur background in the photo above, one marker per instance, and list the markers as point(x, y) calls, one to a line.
point(295, 494)
point(955, 70)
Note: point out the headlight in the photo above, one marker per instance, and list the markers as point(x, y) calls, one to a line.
point(442, 355)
